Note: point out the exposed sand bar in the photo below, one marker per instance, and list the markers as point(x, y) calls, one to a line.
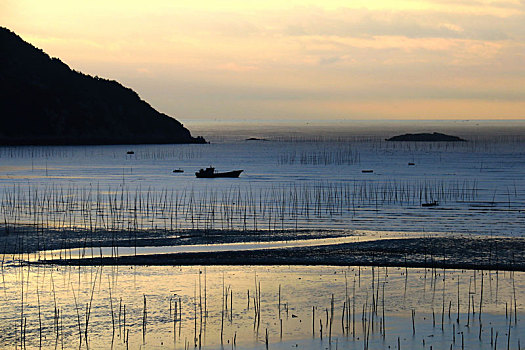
point(220, 243)
point(442, 252)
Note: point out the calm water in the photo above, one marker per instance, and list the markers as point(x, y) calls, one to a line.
point(50, 304)
point(297, 179)
point(293, 180)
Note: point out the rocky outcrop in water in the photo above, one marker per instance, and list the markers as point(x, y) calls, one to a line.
point(427, 137)
point(43, 101)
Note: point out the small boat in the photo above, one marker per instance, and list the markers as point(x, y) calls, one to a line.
point(179, 170)
point(430, 204)
point(211, 173)
point(411, 163)
point(367, 171)
point(130, 152)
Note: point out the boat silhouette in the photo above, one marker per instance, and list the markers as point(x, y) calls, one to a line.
point(211, 173)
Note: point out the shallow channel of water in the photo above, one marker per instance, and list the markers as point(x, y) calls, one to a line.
point(51, 305)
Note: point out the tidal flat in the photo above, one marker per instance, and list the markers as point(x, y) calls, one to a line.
point(246, 307)
point(106, 249)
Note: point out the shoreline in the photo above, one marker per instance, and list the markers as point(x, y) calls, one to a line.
point(431, 252)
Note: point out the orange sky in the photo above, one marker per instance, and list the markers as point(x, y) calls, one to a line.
point(314, 60)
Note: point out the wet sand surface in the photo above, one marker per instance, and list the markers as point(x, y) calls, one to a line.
point(26, 239)
point(442, 252)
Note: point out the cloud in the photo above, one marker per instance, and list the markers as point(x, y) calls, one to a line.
point(302, 57)
point(412, 24)
point(234, 67)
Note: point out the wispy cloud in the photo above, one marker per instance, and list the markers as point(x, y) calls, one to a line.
point(316, 58)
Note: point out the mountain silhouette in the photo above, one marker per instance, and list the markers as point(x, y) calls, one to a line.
point(43, 102)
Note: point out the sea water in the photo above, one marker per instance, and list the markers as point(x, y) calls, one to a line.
point(292, 179)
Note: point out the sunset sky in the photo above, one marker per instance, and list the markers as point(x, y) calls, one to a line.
point(311, 60)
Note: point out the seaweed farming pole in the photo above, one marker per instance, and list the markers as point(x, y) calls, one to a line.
point(195, 315)
point(457, 320)
point(88, 306)
point(111, 306)
point(480, 302)
point(353, 310)
point(119, 319)
point(174, 322)
point(443, 304)
point(39, 318)
point(331, 319)
point(413, 322)
point(78, 315)
point(347, 301)
point(515, 303)
point(343, 317)
point(279, 305)
point(22, 340)
point(468, 307)
point(383, 304)
point(144, 321)
point(313, 321)
point(222, 310)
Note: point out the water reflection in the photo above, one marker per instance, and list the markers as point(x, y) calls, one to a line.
point(180, 307)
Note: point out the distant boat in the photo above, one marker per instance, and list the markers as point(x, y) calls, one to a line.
point(410, 163)
point(367, 171)
point(211, 173)
point(130, 152)
point(430, 204)
point(178, 170)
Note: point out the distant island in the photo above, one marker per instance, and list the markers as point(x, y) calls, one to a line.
point(44, 102)
point(434, 137)
point(255, 139)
